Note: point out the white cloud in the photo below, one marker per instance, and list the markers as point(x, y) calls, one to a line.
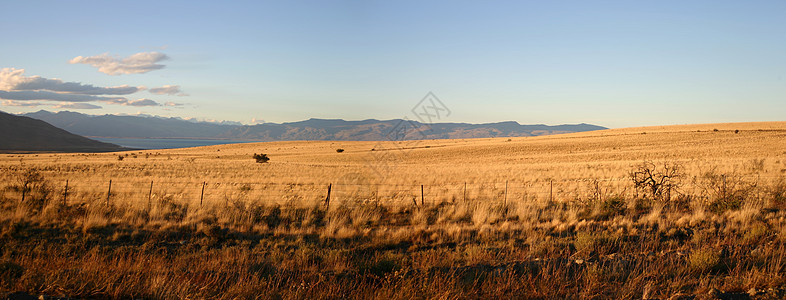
point(142, 62)
point(168, 90)
point(19, 90)
point(118, 101)
point(51, 96)
point(21, 103)
point(142, 102)
point(13, 79)
point(69, 105)
point(138, 102)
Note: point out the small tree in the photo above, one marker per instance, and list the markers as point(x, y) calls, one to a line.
point(34, 189)
point(261, 158)
point(656, 183)
point(339, 150)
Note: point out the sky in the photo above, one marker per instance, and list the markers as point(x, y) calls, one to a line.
point(609, 63)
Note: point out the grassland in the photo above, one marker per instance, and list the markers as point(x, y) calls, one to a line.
point(536, 217)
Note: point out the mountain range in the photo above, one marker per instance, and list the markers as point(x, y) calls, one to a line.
point(24, 134)
point(119, 126)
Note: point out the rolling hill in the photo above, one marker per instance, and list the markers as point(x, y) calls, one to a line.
point(24, 134)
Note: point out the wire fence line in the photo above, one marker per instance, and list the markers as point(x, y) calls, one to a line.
point(343, 192)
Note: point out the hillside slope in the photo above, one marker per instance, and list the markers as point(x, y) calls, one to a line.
point(23, 134)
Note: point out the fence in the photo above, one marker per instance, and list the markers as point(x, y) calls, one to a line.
point(147, 192)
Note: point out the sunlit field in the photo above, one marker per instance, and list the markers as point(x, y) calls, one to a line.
point(653, 212)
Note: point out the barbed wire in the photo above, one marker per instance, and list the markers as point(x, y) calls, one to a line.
point(511, 183)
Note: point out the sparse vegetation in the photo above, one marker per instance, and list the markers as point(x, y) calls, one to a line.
point(261, 158)
point(656, 183)
point(704, 260)
point(576, 224)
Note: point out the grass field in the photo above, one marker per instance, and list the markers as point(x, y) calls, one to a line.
point(534, 217)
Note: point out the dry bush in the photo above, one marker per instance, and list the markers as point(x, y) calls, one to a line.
point(704, 260)
point(33, 190)
point(260, 158)
point(727, 192)
point(657, 182)
point(777, 196)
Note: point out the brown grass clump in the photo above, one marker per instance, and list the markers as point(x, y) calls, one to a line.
point(704, 260)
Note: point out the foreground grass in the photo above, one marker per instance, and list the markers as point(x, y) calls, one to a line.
point(616, 248)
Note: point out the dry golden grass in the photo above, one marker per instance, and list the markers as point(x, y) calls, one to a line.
point(541, 217)
point(527, 163)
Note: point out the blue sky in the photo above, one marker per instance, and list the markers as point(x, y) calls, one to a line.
point(611, 63)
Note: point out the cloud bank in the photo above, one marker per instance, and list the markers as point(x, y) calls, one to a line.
point(19, 90)
point(138, 102)
point(14, 80)
point(168, 90)
point(20, 103)
point(68, 105)
point(139, 63)
point(51, 96)
point(142, 102)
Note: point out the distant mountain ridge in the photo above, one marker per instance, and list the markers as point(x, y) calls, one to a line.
point(24, 134)
point(312, 129)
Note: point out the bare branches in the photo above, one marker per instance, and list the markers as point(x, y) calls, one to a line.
point(656, 182)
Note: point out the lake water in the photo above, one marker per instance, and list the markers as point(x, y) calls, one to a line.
point(166, 143)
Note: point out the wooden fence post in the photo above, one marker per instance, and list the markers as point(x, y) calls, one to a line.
point(150, 197)
point(422, 198)
point(506, 193)
point(327, 199)
point(551, 190)
point(202, 194)
point(65, 194)
point(108, 192)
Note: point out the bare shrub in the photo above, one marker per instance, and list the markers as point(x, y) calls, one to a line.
point(33, 188)
point(777, 195)
point(610, 207)
point(726, 192)
point(655, 182)
point(171, 210)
